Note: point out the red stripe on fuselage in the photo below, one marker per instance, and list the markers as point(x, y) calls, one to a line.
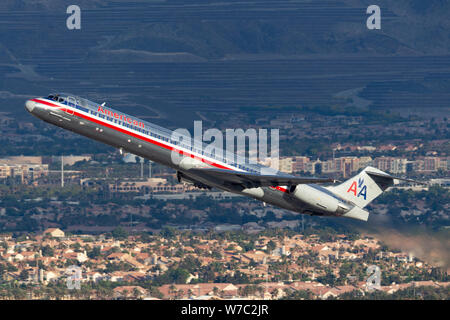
point(162, 145)
point(280, 189)
point(46, 103)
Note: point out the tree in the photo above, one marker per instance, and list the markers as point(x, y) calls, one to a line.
point(47, 251)
point(136, 293)
point(190, 264)
point(119, 233)
point(329, 278)
point(172, 289)
point(24, 275)
point(274, 293)
point(271, 245)
point(94, 253)
point(168, 232)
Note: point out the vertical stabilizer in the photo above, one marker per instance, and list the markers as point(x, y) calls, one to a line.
point(364, 187)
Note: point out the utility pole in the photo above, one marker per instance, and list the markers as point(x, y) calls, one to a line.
point(62, 171)
point(131, 222)
point(267, 283)
point(149, 168)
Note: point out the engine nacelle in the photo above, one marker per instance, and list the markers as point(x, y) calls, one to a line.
point(254, 192)
point(188, 163)
point(319, 200)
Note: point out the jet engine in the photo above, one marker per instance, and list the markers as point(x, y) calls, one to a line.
point(319, 200)
point(188, 163)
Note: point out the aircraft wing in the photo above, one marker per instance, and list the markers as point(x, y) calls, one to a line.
point(254, 180)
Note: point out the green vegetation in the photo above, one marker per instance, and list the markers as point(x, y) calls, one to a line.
point(434, 215)
point(420, 293)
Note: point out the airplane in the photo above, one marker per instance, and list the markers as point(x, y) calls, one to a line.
point(207, 170)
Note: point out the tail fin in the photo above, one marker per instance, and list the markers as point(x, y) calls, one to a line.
point(364, 187)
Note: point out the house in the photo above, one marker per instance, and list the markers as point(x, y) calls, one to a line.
point(19, 257)
point(54, 232)
point(256, 256)
point(273, 290)
point(133, 262)
point(348, 256)
point(79, 256)
point(325, 293)
point(116, 257)
point(144, 258)
point(92, 276)
point(51, 275)
point(124, 292)
point(395, 287)
point(27, 255)
point(338, 290)
point(181, 291)
point(116, 276)
point(280, 251)
point(134, 276)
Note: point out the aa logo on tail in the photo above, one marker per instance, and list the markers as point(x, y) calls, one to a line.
point(358, 186)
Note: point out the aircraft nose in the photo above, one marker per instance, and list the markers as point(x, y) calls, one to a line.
point(30, 105)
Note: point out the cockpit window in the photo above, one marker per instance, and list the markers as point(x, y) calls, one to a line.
point(60, 99)
point(50, 97)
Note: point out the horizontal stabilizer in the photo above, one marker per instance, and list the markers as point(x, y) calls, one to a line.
point(357, 213)
point(390, 177)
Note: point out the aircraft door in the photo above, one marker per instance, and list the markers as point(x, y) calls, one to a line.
point(71, 102)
